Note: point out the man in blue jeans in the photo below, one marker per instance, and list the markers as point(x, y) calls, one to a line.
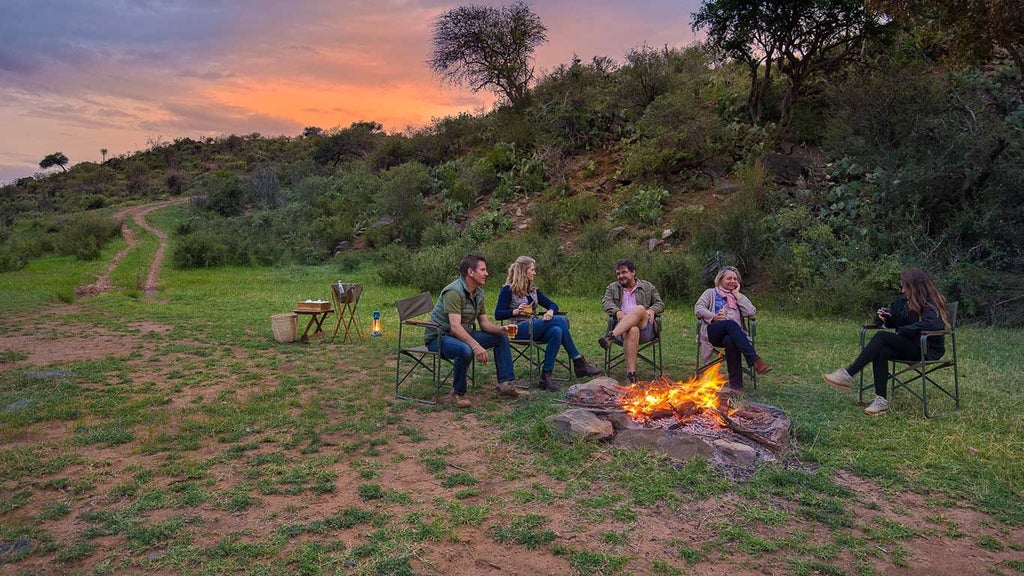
point(459, 309)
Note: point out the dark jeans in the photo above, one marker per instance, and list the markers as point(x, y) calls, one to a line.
point(461, 355)
point(883, 347)
point(729, 335)
point(554, 333)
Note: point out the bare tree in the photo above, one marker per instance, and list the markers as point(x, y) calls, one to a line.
point(485, 47)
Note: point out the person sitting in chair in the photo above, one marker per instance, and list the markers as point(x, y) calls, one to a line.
point(920, 308)
point(721, 311)
point(635, 304)
point(459, 308)
point(518, 300)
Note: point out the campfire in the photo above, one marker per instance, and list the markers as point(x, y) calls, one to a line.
point(662, 398)
point(691, 416)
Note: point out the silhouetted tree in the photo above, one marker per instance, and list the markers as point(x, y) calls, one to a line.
point(976, 30)
point(485, 47)
point(354, 142)
point(103, 151)
point(799, 39)
point(55, 159)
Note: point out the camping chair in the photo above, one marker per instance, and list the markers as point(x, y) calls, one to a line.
point(649, 353)
point(914, 373)
point(418, 354)
point(750, 327)
point(524, 346)
point(346, 298)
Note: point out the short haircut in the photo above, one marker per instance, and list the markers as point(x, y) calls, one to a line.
point(722, 272)
point(627, 263)
point(469, 262)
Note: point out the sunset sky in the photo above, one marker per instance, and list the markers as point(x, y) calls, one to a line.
point(80, 75)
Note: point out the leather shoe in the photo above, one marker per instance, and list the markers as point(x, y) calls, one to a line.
point(546, 383)
point(605, 341)
point(509, 389)
point(762, 367)
point(582, 368)
point(459, 400)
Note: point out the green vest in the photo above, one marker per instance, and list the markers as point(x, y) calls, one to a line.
point(471, 306)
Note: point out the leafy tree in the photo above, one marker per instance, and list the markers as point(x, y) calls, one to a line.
point(356, 141)
point(487, 47)
point(55, 159)
point(799, 39)
point(103, 151)
point(976, 29)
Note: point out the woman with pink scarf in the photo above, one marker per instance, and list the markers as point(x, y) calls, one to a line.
point(721, 310)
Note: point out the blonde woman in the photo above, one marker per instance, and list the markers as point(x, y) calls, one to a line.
point(721, 310)
point(519, 300)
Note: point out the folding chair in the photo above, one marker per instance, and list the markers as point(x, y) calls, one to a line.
point(703, 364)
point(649, 352)
point(914, 373)
point(419, 355)
point(346, 298)
point(526, 347)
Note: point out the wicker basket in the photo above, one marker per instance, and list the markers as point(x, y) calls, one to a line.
point(284, 326)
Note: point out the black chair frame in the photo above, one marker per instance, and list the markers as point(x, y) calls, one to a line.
point(420, 356)
point(533, 352)
point(914, 373)
point(750, 327)
point(649, 353)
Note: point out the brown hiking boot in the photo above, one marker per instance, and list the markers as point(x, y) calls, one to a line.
point(762, 367)
point(606, 340)
point(582, 368)
point(510, 389)
point(546, 383)
point(459, 400)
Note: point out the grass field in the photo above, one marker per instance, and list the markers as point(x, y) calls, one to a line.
point(171, 434)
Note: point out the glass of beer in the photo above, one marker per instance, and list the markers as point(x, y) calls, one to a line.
point(528, 310)
point(512, 330)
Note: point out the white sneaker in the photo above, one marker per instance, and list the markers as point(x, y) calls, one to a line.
point(840, 379)
point(878, 406)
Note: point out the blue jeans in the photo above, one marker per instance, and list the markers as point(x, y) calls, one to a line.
point(461, 355)
point(554, 333)
point(728, 334)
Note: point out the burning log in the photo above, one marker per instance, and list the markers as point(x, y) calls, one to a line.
point(765, 424)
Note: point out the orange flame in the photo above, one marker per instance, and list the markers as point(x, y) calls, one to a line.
point(642, 400)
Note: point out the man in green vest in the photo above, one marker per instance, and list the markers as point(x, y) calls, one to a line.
point(458, 312)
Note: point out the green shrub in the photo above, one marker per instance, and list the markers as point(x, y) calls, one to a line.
point(487, 226)
point(579, 209)
point(84, 234)
point(643, 207)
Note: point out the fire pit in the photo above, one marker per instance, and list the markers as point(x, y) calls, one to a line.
point(679, 419)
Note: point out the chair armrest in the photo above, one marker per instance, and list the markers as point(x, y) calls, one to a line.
point(421, 323)
point(927, 333)
point(872, 327)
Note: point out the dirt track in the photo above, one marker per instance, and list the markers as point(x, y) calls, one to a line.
point(138, 213)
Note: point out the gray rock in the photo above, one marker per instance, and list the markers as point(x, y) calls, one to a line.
point(579, 422)
point(667, 233)
point(17, 405)
point(667, 443)
point(620, 421)
point(653, 243)
point(782, 169)
point(735, 452)
point(598, 391)
point(614, 232)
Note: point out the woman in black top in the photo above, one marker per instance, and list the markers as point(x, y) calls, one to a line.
point(920, 308)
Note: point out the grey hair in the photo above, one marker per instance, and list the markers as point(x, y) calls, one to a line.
point(718, 277)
